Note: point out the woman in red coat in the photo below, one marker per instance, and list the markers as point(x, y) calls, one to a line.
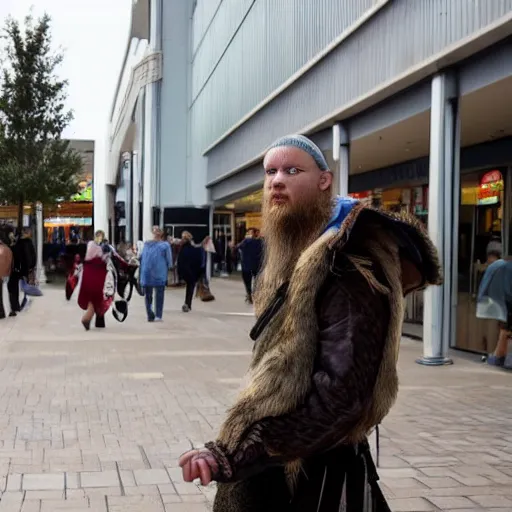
point(92, 297)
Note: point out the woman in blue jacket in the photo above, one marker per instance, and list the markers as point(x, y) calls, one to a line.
point(155, 262)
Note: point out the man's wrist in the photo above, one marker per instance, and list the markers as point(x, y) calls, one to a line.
point(224, 471)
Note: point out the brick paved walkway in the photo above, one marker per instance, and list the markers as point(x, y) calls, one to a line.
point(96, 421)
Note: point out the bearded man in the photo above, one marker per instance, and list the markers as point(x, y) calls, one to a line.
point(329, 307)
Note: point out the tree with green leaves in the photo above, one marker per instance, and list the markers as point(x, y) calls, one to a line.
point(36, 164)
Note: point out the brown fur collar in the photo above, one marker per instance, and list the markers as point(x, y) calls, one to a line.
point(280, 373)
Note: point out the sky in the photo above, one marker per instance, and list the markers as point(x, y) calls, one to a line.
point(94, 36)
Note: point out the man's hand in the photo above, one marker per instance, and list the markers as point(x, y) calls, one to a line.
point(198, 464)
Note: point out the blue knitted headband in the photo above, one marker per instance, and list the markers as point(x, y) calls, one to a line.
point(303, 143)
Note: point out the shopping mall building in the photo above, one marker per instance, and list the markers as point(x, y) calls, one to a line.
point(410, 100)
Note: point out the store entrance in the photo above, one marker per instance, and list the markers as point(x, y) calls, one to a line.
point(481, 227)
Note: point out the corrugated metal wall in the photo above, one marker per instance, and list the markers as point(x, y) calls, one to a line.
point(216, 41)
point(250, 48)
point(204, 13)
point(174, 174)
point(404, 33)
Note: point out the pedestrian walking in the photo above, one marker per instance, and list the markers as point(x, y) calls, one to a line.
point(99, 282)
point(251, 249)
point(5, 266)
point(155, 262)
point(189, 267)
point(24, 263)
point(203, 285)
point(329, 308)
point(494, 302)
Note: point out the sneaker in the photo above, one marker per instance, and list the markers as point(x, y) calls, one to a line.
point(493, 360)
point(13, 313)
point(157, 319)
point(25, 304)
point(151, 317)
point(185, 308)
point(508, 362)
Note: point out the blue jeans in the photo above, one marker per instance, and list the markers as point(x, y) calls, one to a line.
point(160, 294)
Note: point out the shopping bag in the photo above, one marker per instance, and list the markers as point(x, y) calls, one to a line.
point(71, 283)
point(5, 261)
point(31, 290)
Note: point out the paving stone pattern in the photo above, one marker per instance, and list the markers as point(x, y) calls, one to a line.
point(97, 420)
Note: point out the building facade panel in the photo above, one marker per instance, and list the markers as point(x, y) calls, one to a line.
point(398, 108)
point(247, 181)
point(487, 68)
point(204, 12)
point(216, 41)
point(267, 42)
point(398, 38)
point(173, 187)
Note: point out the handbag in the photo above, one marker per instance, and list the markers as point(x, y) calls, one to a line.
point(5, 261)
point(73, 279)
point(203, 291)
point(111, 290)
point(71, 283)
point(209, 247)
point(31, 290)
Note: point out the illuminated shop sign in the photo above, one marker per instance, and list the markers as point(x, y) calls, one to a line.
point(491, 186)
point(66, 221)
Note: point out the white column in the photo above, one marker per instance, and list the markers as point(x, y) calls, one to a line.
point(135, 191)
point(102, 160)
point(161, 220)
point(112, 216)
point(128, 187)
point(341, 157)
point(40, 273)
point(149, 159)
point(151, 142)
point(101, 199)
point(443, 158)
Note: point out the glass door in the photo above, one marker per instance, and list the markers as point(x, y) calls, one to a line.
point(481, 214)
point(224, 262)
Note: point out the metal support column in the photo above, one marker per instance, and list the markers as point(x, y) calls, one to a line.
point(341, 157)
point(452, 229)
point(507, 214)
point(40, 273)
point(209, 262)
point(128, 187)
point(443, 176)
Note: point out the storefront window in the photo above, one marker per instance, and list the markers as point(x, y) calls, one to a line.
point(481, 216)
point(412, 200)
